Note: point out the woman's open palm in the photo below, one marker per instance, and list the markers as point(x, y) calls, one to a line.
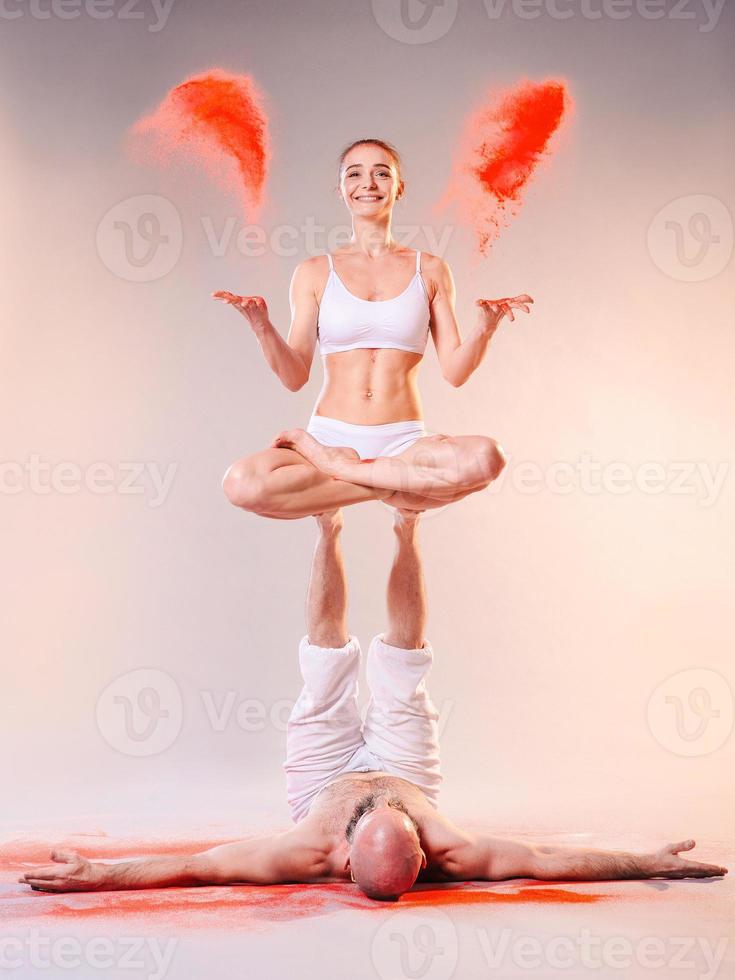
point(253, 308)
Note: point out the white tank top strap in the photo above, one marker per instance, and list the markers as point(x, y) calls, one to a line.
point(331, 264)
point(418, 261)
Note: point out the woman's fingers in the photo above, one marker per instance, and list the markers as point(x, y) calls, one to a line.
point(232, 298)
point(506, 304)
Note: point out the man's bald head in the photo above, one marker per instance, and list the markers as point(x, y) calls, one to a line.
point(385, 850)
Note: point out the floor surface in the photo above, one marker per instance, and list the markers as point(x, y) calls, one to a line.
point(655, 928)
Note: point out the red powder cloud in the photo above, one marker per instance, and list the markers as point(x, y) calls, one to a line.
point(217, 120)
point(502, 143)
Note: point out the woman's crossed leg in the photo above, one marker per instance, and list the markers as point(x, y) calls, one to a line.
point(300, 477)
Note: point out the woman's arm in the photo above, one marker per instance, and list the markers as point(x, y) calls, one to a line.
point(460, 358)
point(289, 359)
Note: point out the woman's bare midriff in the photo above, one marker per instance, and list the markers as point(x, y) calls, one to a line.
point(370, 386)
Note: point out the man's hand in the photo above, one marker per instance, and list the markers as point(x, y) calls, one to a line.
point(666, 863)
point(70, 873)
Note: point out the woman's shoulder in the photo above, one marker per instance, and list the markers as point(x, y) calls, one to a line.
point(430, 260)
point(313, 268)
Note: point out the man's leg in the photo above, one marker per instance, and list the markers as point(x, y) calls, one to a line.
point(326, 597)
point(406, 598)
point(324, 730)
point(401, 722)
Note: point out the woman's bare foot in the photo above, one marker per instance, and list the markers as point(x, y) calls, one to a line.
point(330, 521)
point(325, 458)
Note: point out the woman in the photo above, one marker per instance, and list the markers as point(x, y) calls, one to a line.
point(366, 439)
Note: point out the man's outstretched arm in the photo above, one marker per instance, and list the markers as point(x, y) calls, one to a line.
point(495, 859)
point(275, 859)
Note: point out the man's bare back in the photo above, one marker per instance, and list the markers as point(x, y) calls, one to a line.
point(342, 802)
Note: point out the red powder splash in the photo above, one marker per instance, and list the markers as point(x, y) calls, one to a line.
point(242, 906)
point(219, 121)
point(502, 144)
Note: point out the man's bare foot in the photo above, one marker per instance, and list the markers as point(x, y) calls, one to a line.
point(325, 458)
point(404, 519)
point(330, 521)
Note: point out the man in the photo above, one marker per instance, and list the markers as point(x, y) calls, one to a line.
point(364, 798)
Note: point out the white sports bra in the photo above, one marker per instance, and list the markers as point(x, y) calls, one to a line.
point(345, 321)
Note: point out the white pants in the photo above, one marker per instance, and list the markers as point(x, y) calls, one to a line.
point(325, 737)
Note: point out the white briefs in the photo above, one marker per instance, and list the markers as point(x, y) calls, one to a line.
point(325, 737)
point(369, 441)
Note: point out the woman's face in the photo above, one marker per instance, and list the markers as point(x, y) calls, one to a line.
point(369, 180)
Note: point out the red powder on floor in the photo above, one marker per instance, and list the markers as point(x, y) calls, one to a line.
point(217, 120)
point(478, 896)
point(502, 144)
point(243, 905)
